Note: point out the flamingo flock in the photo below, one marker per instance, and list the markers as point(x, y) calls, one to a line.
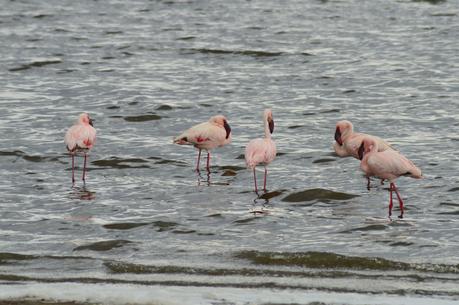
point(377, 157)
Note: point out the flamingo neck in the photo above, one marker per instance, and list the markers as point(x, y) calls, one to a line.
point(267, 132)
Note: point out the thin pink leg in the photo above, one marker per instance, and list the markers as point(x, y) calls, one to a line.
point(208, 161)
point(368, 183)
point(400, 201)
point(264, 183)
point(199, 158)
point(390, 200)
point(73, 169)
point(84, 167)
point(255, 180)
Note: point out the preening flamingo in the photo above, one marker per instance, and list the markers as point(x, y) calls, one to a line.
point(208, 135)
point(80, 138)
point(347, 142)
point(262, 151)
point(388, 164)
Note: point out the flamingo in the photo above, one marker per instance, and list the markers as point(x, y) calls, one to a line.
point(388, 164)
point(261, 151)
point(80, 138)
point(347, 142)
point(208, 135)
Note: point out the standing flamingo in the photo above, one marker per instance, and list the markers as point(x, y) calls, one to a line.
point(208, 135)
point(347, 142)
point(261, 151)
point(388, 164)
point(80, 138)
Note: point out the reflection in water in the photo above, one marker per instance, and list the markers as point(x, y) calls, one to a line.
point(260, 205)
point(82, 193)
point(203, 180)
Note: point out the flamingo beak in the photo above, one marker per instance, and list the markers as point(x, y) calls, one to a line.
point(338, 136)
point(227, 128)
point(271, 124)
point(91, 122)
point(361, 151)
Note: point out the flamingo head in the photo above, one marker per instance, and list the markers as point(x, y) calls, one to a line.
point(342, 128)
point(268, 115)
point(85, 119)
point(367, 146)
point(221, 121)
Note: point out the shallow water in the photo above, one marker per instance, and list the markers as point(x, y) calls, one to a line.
point(147, 226)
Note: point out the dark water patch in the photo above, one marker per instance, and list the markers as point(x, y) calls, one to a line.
point(113, 107)
point(430, 1)
point(349, 91)
point(229, 172)
point(128, 54)
point(41, 16)
point(250, 53)
point(119, 163)
point(295, 126)
point(323, 160)
point(456, 212)
point(105, 245)
point(36, 64)
point(452, 204)
point(164, 108)
point(241, 156)
point(454, 189)
point(333, 261)
point(444, 15)
point(125, 225)
point(84, 63)
point(33, 39)
point(163, 226)
point(272, 194)
point(330, 111)
point(113, 32)
point(375, 227)
point(182, 231)
point(401, 244)
point(74, 38)
point(245, 220)
point(187, 38)
point(206, 105)
point(142, 118)
point(17, 153)
point(108, 57)
point(219, 215)
point(318, 194)
point(39, 158)
point(7, 258)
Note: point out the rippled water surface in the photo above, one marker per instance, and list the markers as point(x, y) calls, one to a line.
point(147, 228)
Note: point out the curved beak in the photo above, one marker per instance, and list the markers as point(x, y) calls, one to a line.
point(338, 136)
point(227, 128)
point(361, 151)
point(271, 125)
point(91, 122)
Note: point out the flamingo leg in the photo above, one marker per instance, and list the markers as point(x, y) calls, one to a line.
point(264, 183)
point(400, 201)
point(368, 183)
point(73, 169)
point(199, 158)
point(84, 167)
point(382, 181)
point(390, 200)
point(255, 180)
point(208, 161)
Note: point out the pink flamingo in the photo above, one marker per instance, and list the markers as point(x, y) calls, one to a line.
point(208, 135)
point(261, 151)
point(388, 164)
point(347, 142)
point(80, 138)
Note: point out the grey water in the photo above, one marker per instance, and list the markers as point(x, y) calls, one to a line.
point(146, 228)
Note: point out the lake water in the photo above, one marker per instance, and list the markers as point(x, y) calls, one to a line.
point(147, 229)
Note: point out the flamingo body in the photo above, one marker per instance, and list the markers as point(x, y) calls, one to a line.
point(388, 164)
point(81, 137)
point(208, 135)
point(261, 150)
